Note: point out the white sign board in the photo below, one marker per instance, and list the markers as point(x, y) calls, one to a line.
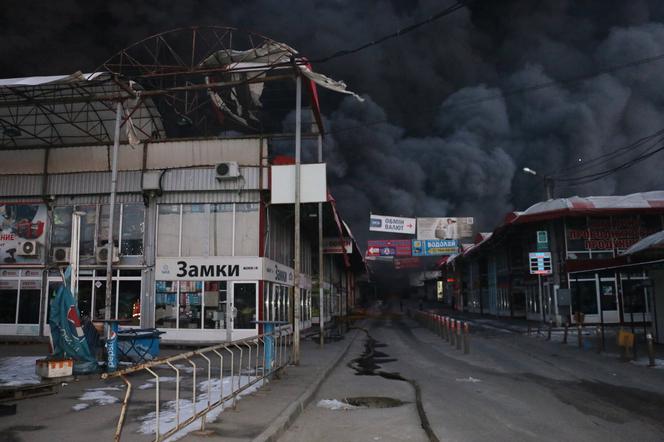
point(335, 245)
point(444, 228)
point(313, 183)
point(216, 268)
point(393, 224)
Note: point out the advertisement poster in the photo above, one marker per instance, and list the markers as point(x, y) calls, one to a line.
point(389, 248)
point(22, 233)
point(335, 246)
point(444, 228)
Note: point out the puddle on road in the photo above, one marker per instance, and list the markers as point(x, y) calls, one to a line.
point(374, 402)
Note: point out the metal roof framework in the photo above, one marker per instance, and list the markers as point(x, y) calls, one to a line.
point(176, 84)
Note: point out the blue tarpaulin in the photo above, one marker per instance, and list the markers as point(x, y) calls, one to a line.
point(66, 331)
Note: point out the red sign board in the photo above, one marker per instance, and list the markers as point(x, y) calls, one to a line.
point(407, 263)
point(389, 247)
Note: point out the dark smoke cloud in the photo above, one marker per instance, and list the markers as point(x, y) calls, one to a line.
point(448, 150)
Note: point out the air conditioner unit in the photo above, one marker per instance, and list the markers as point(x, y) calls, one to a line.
point(61, 254)
point(27, 248)
point(101, 255)
point(227, 170)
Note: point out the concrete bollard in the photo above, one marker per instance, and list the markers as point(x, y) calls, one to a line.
point(651, 350)
point(458, 336)
point(466, 339)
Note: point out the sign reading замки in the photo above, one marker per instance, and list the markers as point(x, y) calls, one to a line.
point(394, 224)
point(222, 268)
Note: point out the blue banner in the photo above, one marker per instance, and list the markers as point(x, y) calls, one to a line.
point(435, 247)
point(66, 330)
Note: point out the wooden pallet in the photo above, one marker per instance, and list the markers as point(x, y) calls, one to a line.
point(27, 391)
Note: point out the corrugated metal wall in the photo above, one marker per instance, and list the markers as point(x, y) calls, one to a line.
point(90, 183)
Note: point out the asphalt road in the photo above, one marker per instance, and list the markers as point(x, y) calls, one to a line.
point(509, 388)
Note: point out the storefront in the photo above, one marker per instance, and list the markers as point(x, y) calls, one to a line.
point(217, 298)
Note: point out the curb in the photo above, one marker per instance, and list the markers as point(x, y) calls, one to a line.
point(282, 422)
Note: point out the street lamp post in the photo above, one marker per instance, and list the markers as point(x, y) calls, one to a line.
point(548, 182)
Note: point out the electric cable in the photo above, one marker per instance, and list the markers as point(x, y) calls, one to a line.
point(342, 53)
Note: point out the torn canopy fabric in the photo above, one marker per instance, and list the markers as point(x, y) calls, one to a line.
point(254, 64)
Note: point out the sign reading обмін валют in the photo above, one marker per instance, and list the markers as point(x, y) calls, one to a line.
point(394, 224)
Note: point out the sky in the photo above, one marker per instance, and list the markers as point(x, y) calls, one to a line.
point(452, 111)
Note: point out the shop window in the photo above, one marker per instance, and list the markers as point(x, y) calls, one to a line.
point(221, 230)
point(634, 293)
point(61, 232)
point(244, 299)
point(584, 297)
point(8, 301)
point(28, 305)
point(168, 226)
point(85, 291)
point(190, 306)
point(133, 223)
point(88, 227)
point(214, 304)
point(102, 237)
point(129, 301)
point(166, 304)
point(100, 299)
point(195, 230)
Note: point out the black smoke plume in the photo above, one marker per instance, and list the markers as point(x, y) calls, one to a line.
point(457, 134)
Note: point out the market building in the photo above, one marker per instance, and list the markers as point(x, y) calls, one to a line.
point(199, 250)
point(586, 238)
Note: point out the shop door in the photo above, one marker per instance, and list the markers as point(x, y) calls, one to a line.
point(244, 302)
point(608, 294)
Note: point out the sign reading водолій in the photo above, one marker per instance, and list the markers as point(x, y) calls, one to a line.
point(394, 224)
point(435, 247)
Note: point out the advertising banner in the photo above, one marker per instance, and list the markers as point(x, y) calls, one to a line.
point(444, 228)
point(435, 247)
point(407, 263)
point(389, 247)
point(22, 233)
point(335, 246)
point(393, 224)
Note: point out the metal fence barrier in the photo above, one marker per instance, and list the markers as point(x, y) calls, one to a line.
point(456, 332)
point(261, 355)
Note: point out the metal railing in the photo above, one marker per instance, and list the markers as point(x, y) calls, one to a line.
point(261, 356)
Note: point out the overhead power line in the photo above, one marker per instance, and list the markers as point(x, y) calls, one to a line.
point(342, 53)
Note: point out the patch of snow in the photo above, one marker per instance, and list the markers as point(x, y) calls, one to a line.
point(334, 404)
point(99, 396)
point(167, 415)
point(18, 370)
point(81, 406)
point(468, 379)
point(152, 382)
